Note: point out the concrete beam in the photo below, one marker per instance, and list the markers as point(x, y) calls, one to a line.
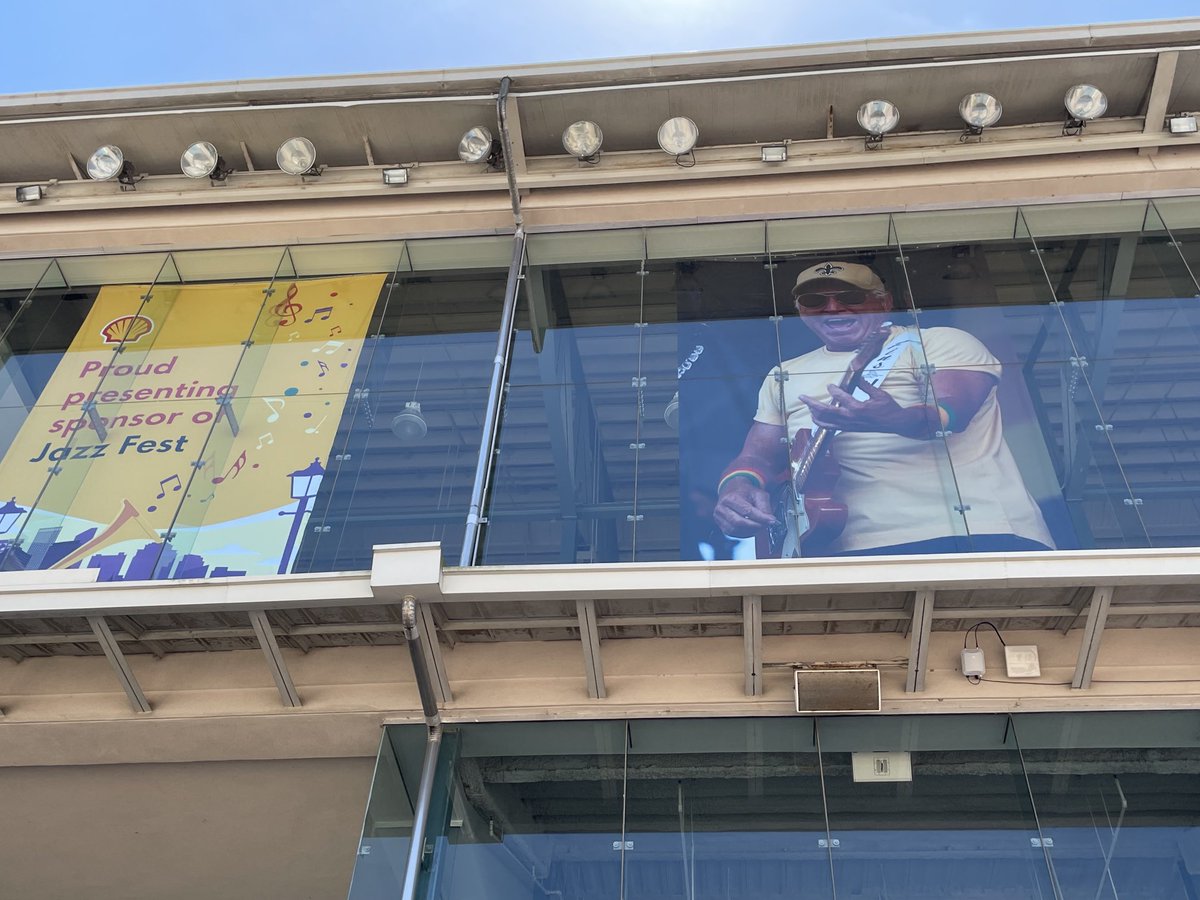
point(275, 661)
point(589, 637)
point(112, 650)
point(918, 650)
point(1093, 631)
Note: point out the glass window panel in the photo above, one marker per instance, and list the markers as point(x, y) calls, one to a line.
point(348, 259)
point(22, 275)
point(960, 822)
point(241, 264)
point(689, 241)
point(1080, 219)
point(585, 246)
point(460, 253)
point(74, 463)
point(530, 811)
point(1117, 794)
point(830, 233)
point(955, 226)
point(1181, 216)
point(130, 268)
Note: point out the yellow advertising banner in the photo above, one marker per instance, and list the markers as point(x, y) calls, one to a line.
point(185, 432)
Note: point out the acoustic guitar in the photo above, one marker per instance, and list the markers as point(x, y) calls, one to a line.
point(808, 517)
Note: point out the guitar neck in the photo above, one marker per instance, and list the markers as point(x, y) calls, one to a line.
point(816, 444)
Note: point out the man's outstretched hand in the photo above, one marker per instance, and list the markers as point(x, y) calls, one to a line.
point(743, 509)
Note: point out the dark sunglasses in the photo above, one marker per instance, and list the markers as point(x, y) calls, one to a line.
point(819, 299)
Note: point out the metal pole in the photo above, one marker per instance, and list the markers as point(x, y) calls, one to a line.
point(416, 851)
point(412, 636)
point(491, 418)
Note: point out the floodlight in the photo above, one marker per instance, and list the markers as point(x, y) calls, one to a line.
point(107, 163)
point(30, 193)
point(201, 160)
point(979, 110)
point(478, 145)
point(395, 175)
point(297, 156)
point(410, 426)
point(582, 140)
point(1084, 102)
point(774, 153)
point(1183, 124)
point(678, 136)
point(877, 118)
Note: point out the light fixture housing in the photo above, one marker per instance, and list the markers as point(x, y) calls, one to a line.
point(107, 163)
point(395, 175)
point(1184, 123)
point(877, 118)
point(297, 156)
point(583, 140)
point(1084, 102)
point(979, 110)
point(774, 153)
point(410, 426)
point(678, 136)
point(477, 145)
point(30, 193)
point(201, 160)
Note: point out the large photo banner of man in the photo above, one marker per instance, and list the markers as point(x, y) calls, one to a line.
point(196, 450)
point(869, 435)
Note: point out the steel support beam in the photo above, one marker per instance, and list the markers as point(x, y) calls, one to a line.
point(432, 652)
point(275, 661)
point(1160, 96)
point(1093, 630)
point(589, 636)
point(918, 648)
point(752, 652)
point(119, 663)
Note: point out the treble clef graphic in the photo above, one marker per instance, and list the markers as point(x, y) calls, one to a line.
point(286, 309)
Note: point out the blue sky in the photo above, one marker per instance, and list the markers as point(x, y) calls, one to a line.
point(71, 44)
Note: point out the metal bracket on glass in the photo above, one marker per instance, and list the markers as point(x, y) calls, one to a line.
point(268, 292)
point(638, 446)
point(638, 381)
point(825, 844)
point(1133, 501)
point(927, 370)
point(149, 295)
point(963, 508)
point(97, 423)
point(901, 259)
point(640, 324)
point(642, 272)
point(622, 845)
point(361, 393)
point(1104, 428)
point(55, 470)
point(633, 518)
point(341, 457)
point(1041, 842)
point(774, 318)
point(321, 529)
point(780, 375)
point(1078, 362)
point(225, 408)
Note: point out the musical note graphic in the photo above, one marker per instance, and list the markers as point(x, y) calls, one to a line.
point(209, 497)
point(274, 414)
point(269, 438)
point(328, 347)
point(236, 469)
point(324, 369)
point(316, 429)
point(328, 310)
point(163, 484)
point(294, 336)
point(336, 329)
point(286, 309)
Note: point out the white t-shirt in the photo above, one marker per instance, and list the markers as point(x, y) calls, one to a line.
point(896, 489)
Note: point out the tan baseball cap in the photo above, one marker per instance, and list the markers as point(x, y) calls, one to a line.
point(855, 274)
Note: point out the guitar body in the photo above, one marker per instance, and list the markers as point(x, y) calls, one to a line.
point(809, 519)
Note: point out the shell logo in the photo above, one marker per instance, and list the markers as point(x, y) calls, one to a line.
point(126, 328)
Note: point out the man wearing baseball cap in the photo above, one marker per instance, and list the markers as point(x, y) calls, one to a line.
point(919, 445)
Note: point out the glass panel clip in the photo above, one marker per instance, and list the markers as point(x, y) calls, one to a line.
point(632, 518)
point(638, 381)
point(1041, 842)
point(1079, 362)
point(638, 446)
point(1104, 428)
point(1133, 501)
point(622, 845)
point(825, 844)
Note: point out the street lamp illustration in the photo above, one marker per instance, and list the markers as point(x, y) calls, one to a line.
point(305, 484)
point(10, 512)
